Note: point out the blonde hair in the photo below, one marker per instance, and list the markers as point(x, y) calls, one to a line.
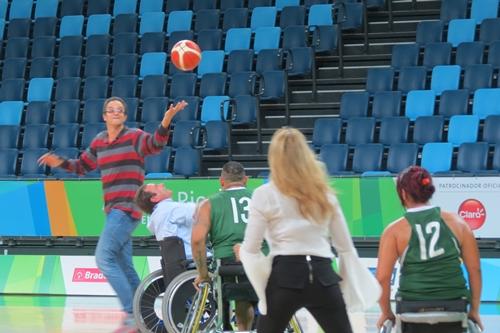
point(298, 174)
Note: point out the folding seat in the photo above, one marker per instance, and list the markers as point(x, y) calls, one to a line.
point(445, 78)
point(239, 61)
point(494, 54)
point(420, 103)
point(146, 6)
point(271, 59)
point(386, 104)
point(68, 88)
point(96, 87)
point(124, 86)
point(97, 44)
point(153, 109)
point(8, 162)
point(40, 89)
point(19, 27)
point(263, 17)
point(300, 61)
point(20, 9)
point(242, 83)
point(66, 111)
point(400, 156)
point(36, 136)
point(154, 86)
point(98, 7)
point(226, 4)
point(213, 84)
point(379, 79)
point(326, 131)
point(245, 110)
point(436, 157)
point(360, 130)
point(216, 136)
point(469, 53)
point(461, 30)
point(207, 19)
point(151, 126)
point(428, 129)
point(125, 64)
point(152, 63)
point(292, 16)
point(496, 158)
point(187, 162)
point(11, 112)
point(214, 108)
point(210, 39)
point(453, 9)
point(16, 47)
point(353, 15)
point(152, 22)
point(485, 102)
point(14, 68)
point(67, 153)
point(453, 102)
point(211, 62)
point(463, 128)
point(191, 112)
point(437, 54)
point(327, 39)
point(44, 26)
point(92, 111)
point(483, 9)
point(29, 166)
point(183, 84)
point(179, 21)
point(71, 7)
point(12, 90)
point(126, 42)
point(320, 14)
point(41, 67)
point(204, 4)
point(235, 18)
point(65, 136)
point(37, 113)
point(125, 23)
point(294, 36)
point(472, 157)
point(173, 5)
point(43, 46)
point(186, 133)
point(266, 38)
point(477, 77)
point(70, 45)
point(412, 78)
point(335, 157)
point(367, 157)
point(281, 4)
point(491, 129)
point(9, 136)
point(98, 24)
point(489, 30)
point(158, 163)
point(252, 4)
point(429, 32)
point(354, 104)
point(97, 65)
point(274, 87)
point(132, 108)
point(393, 130)
point(237, 39)
point(404, 55)
point(3, 9)
point(46, 8)
point(177, 36)
point(71, 26)
point(69, 66)
point(124, 7)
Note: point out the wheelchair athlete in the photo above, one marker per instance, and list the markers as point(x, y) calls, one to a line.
point(430, 244)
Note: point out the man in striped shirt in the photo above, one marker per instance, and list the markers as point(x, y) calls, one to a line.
point(119, 154)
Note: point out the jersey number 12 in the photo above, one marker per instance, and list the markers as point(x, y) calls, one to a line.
point(429, 251)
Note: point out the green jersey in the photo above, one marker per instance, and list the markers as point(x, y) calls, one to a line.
point(431, 266)
point(228, 217)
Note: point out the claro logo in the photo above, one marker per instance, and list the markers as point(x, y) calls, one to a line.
point(88, 275)
point(473, 212)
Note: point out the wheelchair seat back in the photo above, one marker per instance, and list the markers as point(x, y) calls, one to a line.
point(173, 257)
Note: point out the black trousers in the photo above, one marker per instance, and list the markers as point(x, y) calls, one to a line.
point(296, 282)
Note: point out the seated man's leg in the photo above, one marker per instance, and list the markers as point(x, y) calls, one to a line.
point(245, 314)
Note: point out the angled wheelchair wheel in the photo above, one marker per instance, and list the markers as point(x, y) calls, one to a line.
point(147, 303)
point(177, 302)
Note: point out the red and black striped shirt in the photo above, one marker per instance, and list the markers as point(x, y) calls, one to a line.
point(121, 163)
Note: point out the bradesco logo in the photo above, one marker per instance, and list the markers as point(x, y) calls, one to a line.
point(473, 212)
point(88, 275)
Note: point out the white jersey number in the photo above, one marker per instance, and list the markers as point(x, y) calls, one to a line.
point(236, 206)
point(430, 251)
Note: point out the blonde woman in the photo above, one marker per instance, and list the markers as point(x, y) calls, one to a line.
point(300, 218)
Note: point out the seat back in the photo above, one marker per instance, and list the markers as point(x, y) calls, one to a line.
point(472, 157)
point(420, 103)
point(438, 54)
point(354, 104)
point(445, 77)
point(477, 77)
point(436, 156)
point(428, 129)
point(453, 102)
point(405, 55)
point(412, 78)
point(429, 32)
point(367, 157)
point(326, 131)
point(386, 104)
point(68, 88)
point(463, 128)
point(400, 156)
point(187, 162)
point(483, 9)
point(461, 30)
point(491, 129)
point(379, 79)
point(393, 130)
point(360, 130)
point(213, 84)
point(469, 53)
point(335, 157)
point(36, 136)
point(266, 38)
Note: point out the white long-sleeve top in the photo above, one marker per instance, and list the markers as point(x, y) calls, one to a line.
point(277, 219)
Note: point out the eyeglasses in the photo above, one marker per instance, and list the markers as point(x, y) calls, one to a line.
point(114, 111)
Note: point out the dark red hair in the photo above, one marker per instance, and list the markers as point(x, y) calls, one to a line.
point(417, 183)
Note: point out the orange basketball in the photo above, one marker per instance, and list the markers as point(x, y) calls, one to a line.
point(185, 55)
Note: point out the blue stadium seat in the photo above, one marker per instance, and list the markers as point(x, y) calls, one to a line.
point(393, 130)
point(124, 86)
point(491, 129)
point(96, 87)
point(428, 129)
point(211, 62)
point(463, 128)
point(97, 65)
point(177, 5)
point(98, 7)
point(483, 9)
point(8, 162)
point(210, 39)
point(386, 104)
point(125, 43)
point(489, 30)
point(182, 84)
point(326, 131)
point(42, 67)
point(485, 102)
point(146, 6)
point(420, 103)
point(187, 162)
point(214, 108)
point(124, 7)
point(44, 26)
point(437, 54)
point(179, 21)
point(477, 77)
point(2, 27)
point(20, 9)
point(153, 63)
point(207, 19)
point(67, 153)
point(71, 25)
point(65, 136)
point(92, 111)
point(71, 7)
point(43, 46)
point(125, 23)
point(29, 166)
point(191, 112)
point(270, 59)
point(354, 104)
point(379, 79)
point(125, 64)
point(237, 39)
point(9, 136)
point(320, 14)
point(11, 112)
point(68, 88)
point(453, 102)
point(252, 4)
point(69, 66)
point(235, 18)
point(16, 47)
point(453, 9)
point(12, 90)
point(186, 133)
point(14, 68)
point(97, 44)
point(40, 89)
point(98, 24)
point(246, 109)
point(177, 36)
point(19, 27)
point(429, 32)
point(367, 157)
point(152, 22)
point(239, 61)
point(263, 17)
point(335, 157)
point(3, 9)
point(295, 36)
point(461, 30)
point(153, 109)
point(412, 78)
point(494, 54)
point(158, 163)
point(281, 4)
point(204, 4)
point(300, 61)
point(150, 42)
point(36, 136)
point(472, 157)
point(469, 53)
point(294, 15)
point(66, 111)
point(400, 156)
point(154, 86)
point(266, 38)
point(496, 158)
point(405, 55)
point(437, 156)
point(445, 77)
point(213, 84)
point(37, 113)
point(327, 39)
point(225, 4)
point(90, 130)
point(360, 130)
point(216, 135)
point(46, 8)
point(70, 45)
point(242, 83)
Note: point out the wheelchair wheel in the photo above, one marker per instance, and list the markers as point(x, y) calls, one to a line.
point(177, 302)
point(147, 303)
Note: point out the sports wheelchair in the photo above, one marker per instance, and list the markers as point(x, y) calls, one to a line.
point(448, 316)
